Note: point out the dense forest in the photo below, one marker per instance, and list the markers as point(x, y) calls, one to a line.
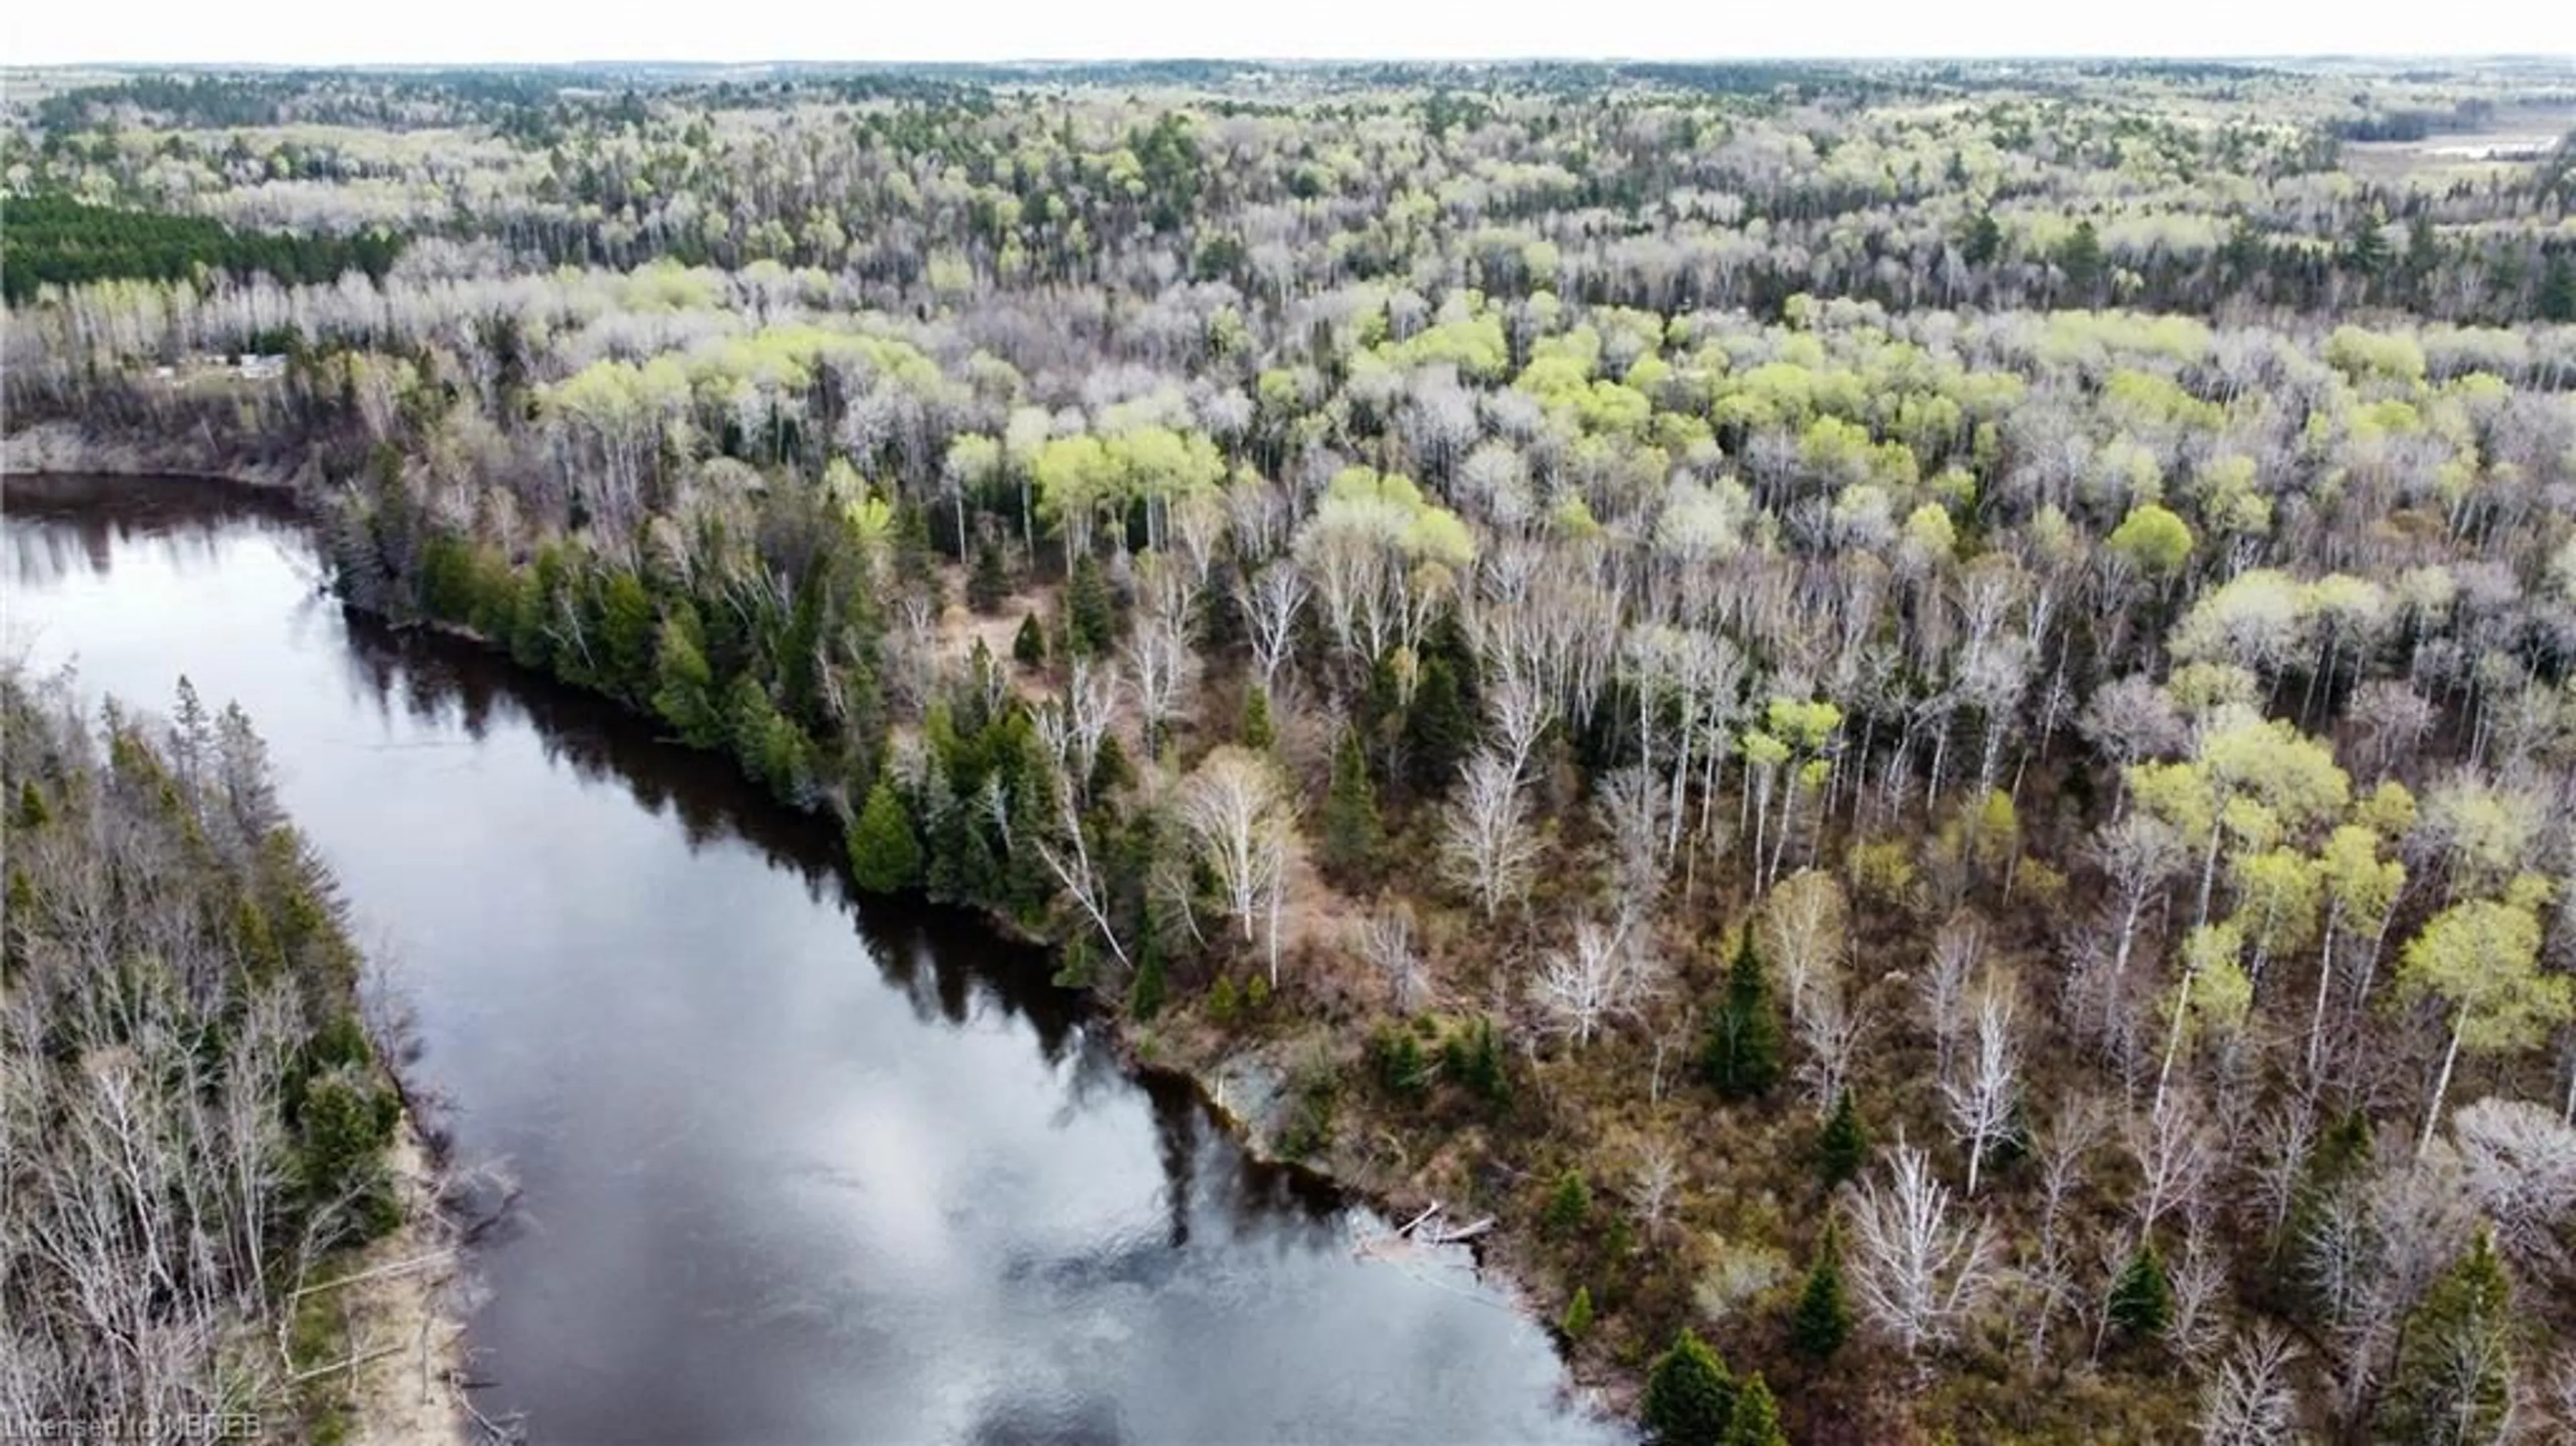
point(1918, 718)
point(194, 1121)
point(57, 241)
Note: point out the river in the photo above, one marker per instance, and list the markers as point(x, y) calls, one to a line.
point(795, 1170)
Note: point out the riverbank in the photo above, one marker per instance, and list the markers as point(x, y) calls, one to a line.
point(406, 1388)
point(67, 447)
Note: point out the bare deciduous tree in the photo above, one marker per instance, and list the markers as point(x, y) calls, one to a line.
point(2520, 1164)
point(2199, 1284)
point(1922, 1269)
point(1238, 815)
point(1487, 846)
point(1806, 919)
point(1982, 1094)
point(1597, 978)
point(1657, 1180)
point(2252, 1401)
point(1162, 663)
point(1386, 940)
point(1520, 708)
point(2174, 1157)
point(1830, 1030)
point(1630, 806)
point(1271, 603)
point(1956, 952)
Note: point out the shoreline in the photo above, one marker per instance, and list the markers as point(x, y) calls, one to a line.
point(407, 1388)
point(1146, 1053)
point(65, 447)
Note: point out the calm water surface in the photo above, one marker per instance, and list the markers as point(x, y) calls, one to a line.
point(794, 1171)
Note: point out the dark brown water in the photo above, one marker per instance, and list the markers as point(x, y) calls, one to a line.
point(795, 1170)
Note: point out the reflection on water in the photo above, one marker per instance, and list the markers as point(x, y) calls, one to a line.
point(794, 1170)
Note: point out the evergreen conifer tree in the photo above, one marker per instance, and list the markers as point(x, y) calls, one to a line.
point(1578, 1314)
point(1756, 1418)
point(884, 855)
point(1744, 1040)
point(2142, 1298)
point(1437, 729)
point(1352, 831)
point(1090, 613)
point(1568, 1206)
point(1258, 731)
point(2455, 1360)
point(1145, 995)
point(1690, 1398)
point(990, 582)
point(1110, 770)
point(1843, 1145)
point(1822, 1321)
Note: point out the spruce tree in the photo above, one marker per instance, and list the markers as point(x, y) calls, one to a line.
point(1756, 1418)
point(1028, 646)
point(2142, 1298)
point(1689, 1396)
point(1743, 1054)
point(1474, 1058)
point(1090, 613)
point(1400, 1065)
point(2455, 1359)
point(989, 583)
point(2337, 1159)
point(884, 856)
point(684, 685)
point(1437, 729)
point(2079, 257)
point(916, 561)
point(1568, 1206)
point(1145, 995)
point(1822, 1321)
point(1578, 1314)
point(1110, 770)
point(2557, 302)
point(1843, 1146)
point(1258, 731)
point(964, 869)
point(627, 626)
point(1981, 239)
point(1352, 832)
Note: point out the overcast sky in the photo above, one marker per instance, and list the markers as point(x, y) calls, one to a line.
point(41, 32)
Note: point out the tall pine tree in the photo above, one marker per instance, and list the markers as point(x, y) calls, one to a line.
point(1689, 1396)
point(1028, 645)
point(990, 582)
point(1437, 728)
point(1744, 1037)
point(2142, 1298)
point(1352, 832)
point(1823, 1319)
point(1756, 1418)
point(884, 856)
point(2455, 1360)
point(1842, 1147)
point(1258, 731)
point(1090, 612)
point(1578, 1314)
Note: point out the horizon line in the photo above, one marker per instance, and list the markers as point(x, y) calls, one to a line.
point(1313, 61)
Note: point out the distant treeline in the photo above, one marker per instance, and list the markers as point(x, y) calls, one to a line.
point(2416, 125)
point(389, 100)
point(56, 239)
